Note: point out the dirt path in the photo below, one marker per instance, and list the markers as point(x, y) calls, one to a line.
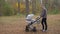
point(16, 25)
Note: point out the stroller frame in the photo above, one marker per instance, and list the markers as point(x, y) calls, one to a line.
point(34, 28)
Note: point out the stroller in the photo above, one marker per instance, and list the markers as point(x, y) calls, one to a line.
point(31, 21)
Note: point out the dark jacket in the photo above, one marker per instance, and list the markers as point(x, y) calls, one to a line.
point(44, 13)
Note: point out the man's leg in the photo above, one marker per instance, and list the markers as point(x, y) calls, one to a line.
point(45, 23)
point(42, 24)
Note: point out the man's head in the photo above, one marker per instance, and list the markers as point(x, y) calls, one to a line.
point(43, 7)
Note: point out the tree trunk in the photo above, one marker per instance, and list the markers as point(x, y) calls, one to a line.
point(18, 7)
point(27, 7)
point(33, 6)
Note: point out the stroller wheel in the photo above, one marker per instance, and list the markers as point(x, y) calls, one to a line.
point(27, 29)
point(34, 29)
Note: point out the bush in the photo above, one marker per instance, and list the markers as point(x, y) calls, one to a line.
point(54, 11)
point(6, 9)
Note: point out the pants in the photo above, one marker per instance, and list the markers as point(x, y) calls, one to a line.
point(44, 24)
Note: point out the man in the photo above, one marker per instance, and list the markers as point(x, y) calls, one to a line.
point(44, 18)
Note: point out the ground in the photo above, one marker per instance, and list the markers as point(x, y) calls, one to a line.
point(16, 25)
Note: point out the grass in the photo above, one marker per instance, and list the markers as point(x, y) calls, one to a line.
point(16, 25)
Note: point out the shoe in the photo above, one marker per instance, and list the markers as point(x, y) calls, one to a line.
point(43, 30)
